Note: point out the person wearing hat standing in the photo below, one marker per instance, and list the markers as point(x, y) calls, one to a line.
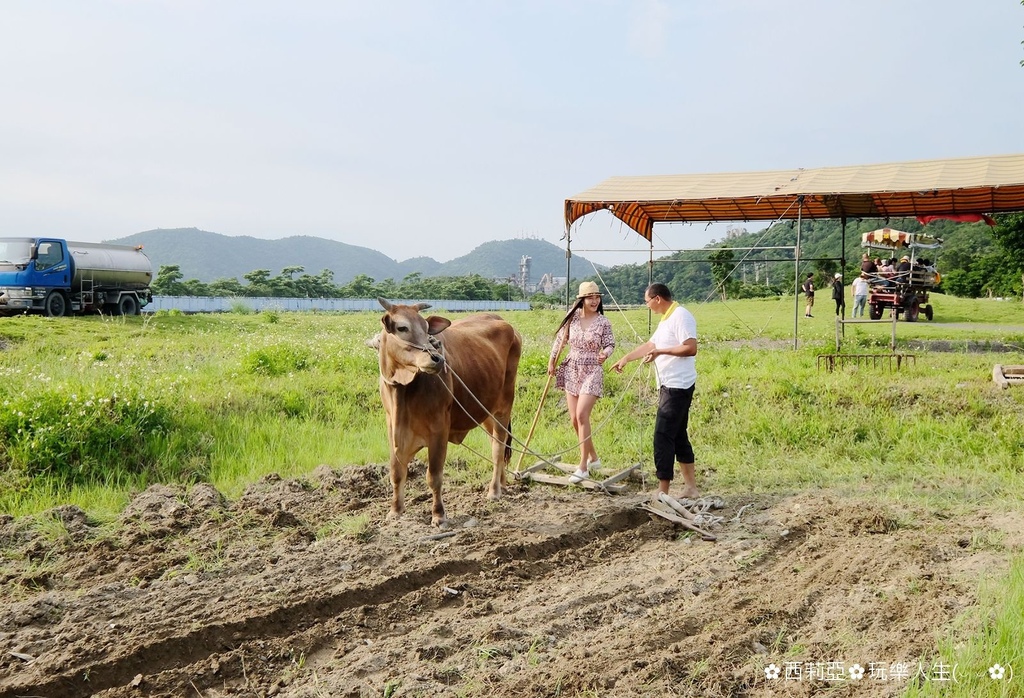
point(588, 333)
point(838, 294)
point(672, 348)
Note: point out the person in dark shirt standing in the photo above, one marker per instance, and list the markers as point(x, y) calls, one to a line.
point(808, 289)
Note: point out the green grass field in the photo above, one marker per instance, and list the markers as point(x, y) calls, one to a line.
point(95, 409)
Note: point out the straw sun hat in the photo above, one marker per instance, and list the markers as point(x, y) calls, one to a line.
point(588, 288)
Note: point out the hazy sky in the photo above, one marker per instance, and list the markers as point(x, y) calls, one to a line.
point(426, 128)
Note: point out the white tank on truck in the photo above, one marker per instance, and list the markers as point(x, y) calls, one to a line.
point(111, 265)
point(55, 277)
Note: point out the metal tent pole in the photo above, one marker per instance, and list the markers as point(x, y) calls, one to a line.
point(568, 264)
point(650, 280)
point(796, 272)
point(842, 270)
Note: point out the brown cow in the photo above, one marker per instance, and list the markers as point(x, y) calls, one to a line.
point(421, 363)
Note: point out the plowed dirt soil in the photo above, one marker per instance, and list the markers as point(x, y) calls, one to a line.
point(549, 592)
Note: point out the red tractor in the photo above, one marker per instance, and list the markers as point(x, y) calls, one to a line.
point(903, 280)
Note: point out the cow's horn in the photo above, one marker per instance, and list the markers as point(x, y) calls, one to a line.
point(421, 306)
point(385, 303)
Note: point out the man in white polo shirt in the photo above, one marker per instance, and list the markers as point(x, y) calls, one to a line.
point(672, 347)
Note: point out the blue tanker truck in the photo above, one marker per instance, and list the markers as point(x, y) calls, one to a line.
point(57, 277)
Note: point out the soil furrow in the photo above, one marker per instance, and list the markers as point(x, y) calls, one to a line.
point(85, 679)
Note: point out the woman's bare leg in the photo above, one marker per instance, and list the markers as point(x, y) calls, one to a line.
point(584, 406)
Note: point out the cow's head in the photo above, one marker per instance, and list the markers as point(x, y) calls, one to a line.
point(406, 347)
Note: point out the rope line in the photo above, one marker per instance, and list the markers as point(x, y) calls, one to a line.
point(615, 302)
point(524, 449)
point(439, 345)
point(717, 290)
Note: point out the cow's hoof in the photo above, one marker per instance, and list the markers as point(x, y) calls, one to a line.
point(395, 513)
point(494, 493)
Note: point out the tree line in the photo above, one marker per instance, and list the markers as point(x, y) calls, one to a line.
point(976, 260)
point(293, 282)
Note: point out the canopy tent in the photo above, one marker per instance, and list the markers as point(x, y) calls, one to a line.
point(957, 187)
point(964, 189)
point(898, 239)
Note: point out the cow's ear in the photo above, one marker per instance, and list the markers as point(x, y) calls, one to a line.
point(388, 323)
point(436, 324)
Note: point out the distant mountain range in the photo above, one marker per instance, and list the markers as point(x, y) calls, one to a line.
point(210, 256)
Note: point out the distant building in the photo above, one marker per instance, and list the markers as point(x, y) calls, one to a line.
point(548, 284)
point(524, 273)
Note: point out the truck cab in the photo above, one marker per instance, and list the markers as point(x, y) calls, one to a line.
point(32, 272)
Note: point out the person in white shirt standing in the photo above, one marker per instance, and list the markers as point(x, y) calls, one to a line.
point(673, 348)
point(860, 289)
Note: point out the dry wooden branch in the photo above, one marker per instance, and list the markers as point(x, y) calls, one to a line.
point(667, 512)
point(564, 480)
point(621, 475)
point(674, 503)
point(525, 473)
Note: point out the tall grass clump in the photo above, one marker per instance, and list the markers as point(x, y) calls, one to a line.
point(275, 360)
point(75, 439)
point(239, 306)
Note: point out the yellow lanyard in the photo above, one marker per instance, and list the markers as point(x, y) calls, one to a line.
point(671, 309)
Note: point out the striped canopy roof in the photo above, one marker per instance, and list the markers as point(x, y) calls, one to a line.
point(890, 237)
point(981, 185)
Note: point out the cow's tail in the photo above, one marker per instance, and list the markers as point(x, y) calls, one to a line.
point(508, 441)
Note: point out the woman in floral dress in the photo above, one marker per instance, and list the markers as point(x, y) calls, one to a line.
point(589, 335)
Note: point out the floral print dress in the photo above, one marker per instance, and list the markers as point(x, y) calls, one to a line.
point(580, 372)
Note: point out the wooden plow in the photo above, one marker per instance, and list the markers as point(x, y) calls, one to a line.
point(691, 515)
point(611, 484)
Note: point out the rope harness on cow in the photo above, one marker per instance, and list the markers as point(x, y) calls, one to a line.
point(523, 447)
point(434, 342)
point(438, 345)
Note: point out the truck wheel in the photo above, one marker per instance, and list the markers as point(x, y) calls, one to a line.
point(55, 305)
point(928, 312)
point(875, 312)
point(912, 312)
point(128, 305)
